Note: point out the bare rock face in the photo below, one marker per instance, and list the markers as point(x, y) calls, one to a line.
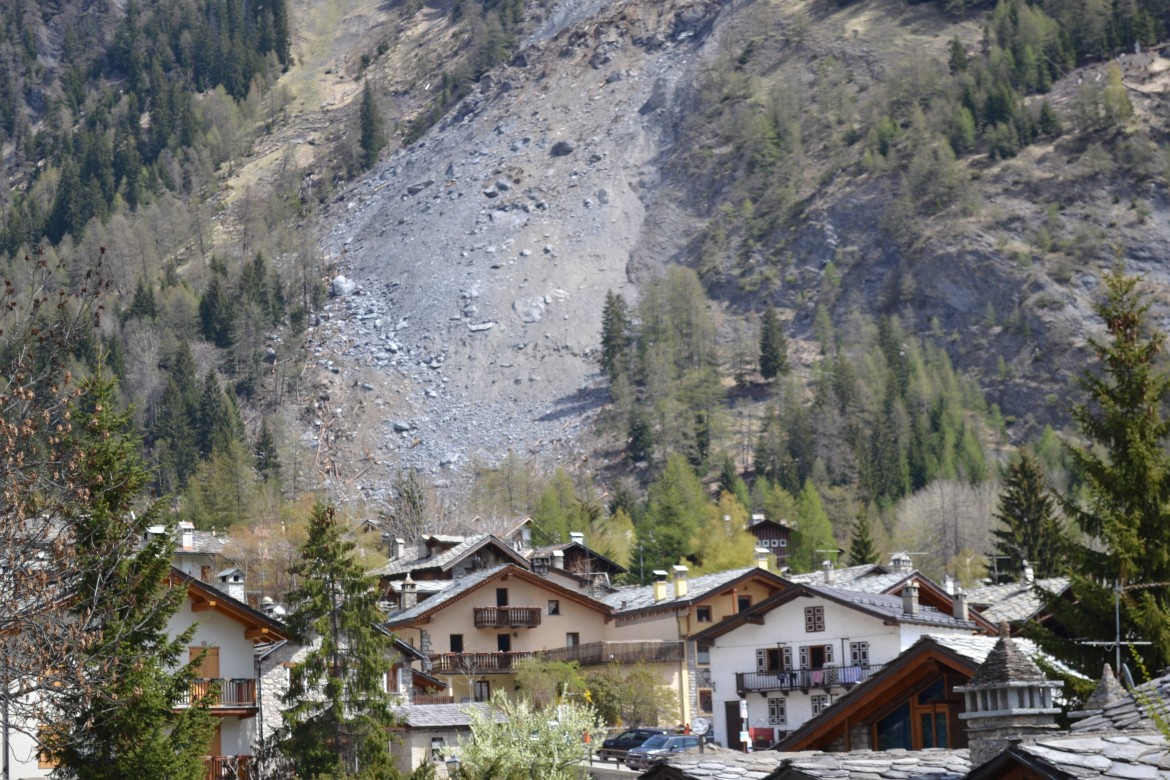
point(492, 244)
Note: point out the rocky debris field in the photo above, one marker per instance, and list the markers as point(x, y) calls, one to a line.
point(473, 266)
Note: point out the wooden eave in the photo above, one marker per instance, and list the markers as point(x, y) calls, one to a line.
point(205, 598)
point(880, 693)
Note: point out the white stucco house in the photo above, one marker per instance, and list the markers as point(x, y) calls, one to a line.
point(789, 657)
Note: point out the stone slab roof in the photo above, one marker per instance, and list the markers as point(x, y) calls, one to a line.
point(1007, 663)
point(203, 543)
point(457, 588)
point(410, 560)
point(1125, 713)
point(1089, 756)
point(862, 577)
point(439, 716)
point(723, 764)
point(890, 607)
point(1013, 601)
point(633, 597)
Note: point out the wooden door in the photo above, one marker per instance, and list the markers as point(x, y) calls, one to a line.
point(216, 746)
point(734, 724)
point(206, 672)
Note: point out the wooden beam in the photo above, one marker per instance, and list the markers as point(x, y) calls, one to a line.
point(202, 606)
point(260, 632)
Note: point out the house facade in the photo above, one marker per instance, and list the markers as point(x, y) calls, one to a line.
point(788, 659)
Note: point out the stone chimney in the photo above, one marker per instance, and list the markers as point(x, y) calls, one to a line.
point(186, 535)
point(1107, 692)
point(827, 568)
point(578, 537)
point(1029, 573)
point(680, 582)
point(1007, 700)
point(960, 605)
point(422, 546)
point(659, 586)
point(949, 585)
point(558, 557)
point(762, 558)
point(901, 564)
point(231, 582)
point(399, 549)
point(910, 599)
point(409, 595)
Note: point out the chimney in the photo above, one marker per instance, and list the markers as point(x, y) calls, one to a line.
point(659, 584)
point(901, 564)
point(422, 546)
point(1007, 700)
point(399, 549)
point(409, 595)
point(231, 582)
point(186, 535)
point(949, 585)
point(578, 537)
point(558, 559)
point(1029, 573)
point(960, 605)
point(762, 558)
point(910, 599)
point(680, 582)
point(827, 568)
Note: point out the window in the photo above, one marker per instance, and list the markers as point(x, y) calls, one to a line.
point(815, 656)
point(814, 619)
point(820, 702)
point(742, 603)
point(504, 643)
point(706, 700)
point(778, 712)
point(482, 690)
point(859, 653)
point(783, 542)
point(554, 606)
point(392, 677)
point(775, 543)
point(703, 654)
point(572, 639)
point(501, 597)
point(703, 614)
point(457, 643)
point(437, 746)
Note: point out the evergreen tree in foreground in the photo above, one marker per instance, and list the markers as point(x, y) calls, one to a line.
point(1029, 528)
point(1123, 515)
point(338, 719)
point(125, 725)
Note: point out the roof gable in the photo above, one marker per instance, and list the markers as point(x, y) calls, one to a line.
point(636, 599)
point(257, 626)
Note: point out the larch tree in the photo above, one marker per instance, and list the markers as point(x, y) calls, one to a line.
point(338, 719)
point(1122, 512)
point(814, 532)
point(1029, 527)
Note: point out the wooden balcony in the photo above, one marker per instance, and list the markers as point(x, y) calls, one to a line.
point(476, 663)
point(597, 653)
point(228, 767)
point(236, 694)
point(507, 617)
point(804, 679)
point(423, 699)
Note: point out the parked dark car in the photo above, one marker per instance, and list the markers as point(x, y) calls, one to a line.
point(656, 749)
point(617, 747)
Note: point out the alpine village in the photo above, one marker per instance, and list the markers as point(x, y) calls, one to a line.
point(566, 389)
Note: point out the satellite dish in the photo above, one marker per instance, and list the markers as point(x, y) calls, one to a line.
point(700, 726)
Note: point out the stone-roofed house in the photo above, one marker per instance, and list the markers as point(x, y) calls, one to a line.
point(437, 557)
point(722, 764)
point(428, 734)
point(791, 656)
point(1017, 603)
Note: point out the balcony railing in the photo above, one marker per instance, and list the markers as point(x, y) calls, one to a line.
point(804, 679)
point(430, 698)
point(225, 693)
point(476, 663)
point(595, 653)
point(228, 767)
point(507, 617)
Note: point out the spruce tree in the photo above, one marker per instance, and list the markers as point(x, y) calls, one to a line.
point(773, 345)
point(129, 724)
point(615, 335)
point(373, 136)
point(814, 531)
point(338, 720)
point(267, 457)
point(1029, 527)
point(861, 547)
point(1122, 511)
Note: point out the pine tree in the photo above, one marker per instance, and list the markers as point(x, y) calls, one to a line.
point(615, 335)
point(1029, 528)
point(267, 458)
point(338, 719)
point(676, 506)
point(131, 724)
point(373, 136)
point(1124, 516)
point(861, 547)
point(814, 532)
point(773, 345)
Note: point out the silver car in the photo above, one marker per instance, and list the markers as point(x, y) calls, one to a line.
point(657, 749)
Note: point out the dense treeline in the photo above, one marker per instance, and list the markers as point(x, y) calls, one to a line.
point(110, 124)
